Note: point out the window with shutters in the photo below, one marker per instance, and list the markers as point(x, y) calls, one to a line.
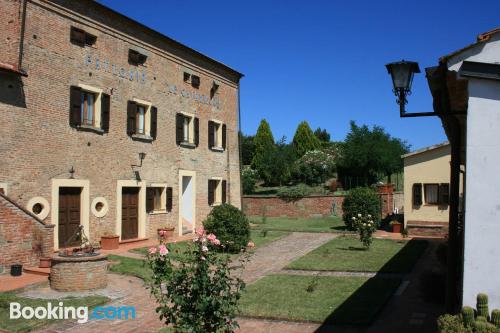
point(187, 130)
point(431, 193)
point(216, 191)
point(216, 135)
point(81, 37)
point(156, 198)
point(141, 120)
point(89, 108)
point(417, 194)
point(192, 79)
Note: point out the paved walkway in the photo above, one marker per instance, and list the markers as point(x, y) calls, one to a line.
point(275, 256)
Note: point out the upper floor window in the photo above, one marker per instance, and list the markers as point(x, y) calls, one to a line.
point(192, 79)
point(187, 130)
point(89, 108)
point(216, 135)
point(136, 58)
point(141, 120)
point(81, 38)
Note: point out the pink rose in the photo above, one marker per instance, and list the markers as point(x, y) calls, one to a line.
point(163, 250)
point(216, 242)
point(200, 231)
point(152, 250)
point(211, 238)
point(250, 244)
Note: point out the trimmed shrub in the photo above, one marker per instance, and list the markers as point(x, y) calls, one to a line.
point(361, 200)
point(230, 225)
point(294, 192)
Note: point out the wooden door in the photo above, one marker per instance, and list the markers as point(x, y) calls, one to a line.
point(69, 214)
point(130, 212)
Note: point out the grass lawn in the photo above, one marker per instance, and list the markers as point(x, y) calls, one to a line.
point(255, 235)
point(339, 300)
point(325, 224)
point(346, 253)
point(26, 325)
point(130, 266)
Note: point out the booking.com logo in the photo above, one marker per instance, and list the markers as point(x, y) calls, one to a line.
point(80, 313)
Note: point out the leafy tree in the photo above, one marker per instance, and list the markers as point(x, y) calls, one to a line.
point(322, 135)
point(263, 141)
point(304, 139)
point(277, 163)
point(247, 148)
point(368, 153)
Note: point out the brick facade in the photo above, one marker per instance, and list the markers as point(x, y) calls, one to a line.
point(39, 146)
point(23, 238)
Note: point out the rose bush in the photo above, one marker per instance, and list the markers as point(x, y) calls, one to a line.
point(365, 225)
point(196, 293)
point(314, 168)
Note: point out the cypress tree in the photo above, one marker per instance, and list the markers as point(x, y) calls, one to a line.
point(263, 141)
point(304, 139)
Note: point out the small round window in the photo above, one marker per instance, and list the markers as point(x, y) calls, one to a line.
point(37, 208)
point(99, 207)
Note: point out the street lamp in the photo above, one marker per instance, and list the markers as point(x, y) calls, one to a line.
point(402, 77)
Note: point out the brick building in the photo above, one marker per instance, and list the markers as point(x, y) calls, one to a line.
point(108, 124)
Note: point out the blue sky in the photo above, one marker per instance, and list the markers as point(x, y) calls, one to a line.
point(323, 61)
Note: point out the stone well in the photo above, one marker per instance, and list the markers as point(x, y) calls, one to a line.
point(73, 273)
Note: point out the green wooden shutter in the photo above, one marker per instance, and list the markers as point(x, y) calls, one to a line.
point(131, 114)
point(154, 117)
point(211, 129)
point(224, 136)
point(169, 196)
point(179, 128)
point(224, 188)
point(211, 194)
point(196, 131)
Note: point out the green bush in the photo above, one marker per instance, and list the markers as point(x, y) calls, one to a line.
point(230, 225)
point(248, 179)
point(361, 200)
point(314, 168)
point(452, 324)
point(294, 192)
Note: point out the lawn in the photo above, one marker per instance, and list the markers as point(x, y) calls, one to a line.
point(339, 300)
point(346, 253)
point(26, 325)
point(324, 224)
point(257, 236)
point(130, 266)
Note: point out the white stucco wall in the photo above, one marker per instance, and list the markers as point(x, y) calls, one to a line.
point(482, 217)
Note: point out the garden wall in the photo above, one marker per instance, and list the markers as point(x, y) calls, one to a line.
point(312, 206)
point(23, 237)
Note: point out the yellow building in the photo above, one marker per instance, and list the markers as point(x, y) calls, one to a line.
point(426, 190)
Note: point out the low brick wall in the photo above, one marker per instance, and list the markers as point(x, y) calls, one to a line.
point(427, 228)
point(78, 273)
point(313, 206)
point(23, 237)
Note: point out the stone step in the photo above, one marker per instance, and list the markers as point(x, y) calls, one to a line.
point(37, 271)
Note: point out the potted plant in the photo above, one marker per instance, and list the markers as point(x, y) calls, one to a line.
point(396, 226)
point(166, 232)
point(109, 241)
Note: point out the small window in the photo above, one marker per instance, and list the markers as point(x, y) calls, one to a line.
point(187, 130)
point(214, 90)
point(81, 37)
point(216, 192)
point(136, 58)
point(195, 81)
point(431, 194)
point(155, 199)
point(87, 108)
point(187, 77)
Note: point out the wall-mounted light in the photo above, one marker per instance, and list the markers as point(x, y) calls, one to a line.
point(71, 173)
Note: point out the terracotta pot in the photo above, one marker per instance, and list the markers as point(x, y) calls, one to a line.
point(110, 242)
point(45, 262)
point(396, 228)
point(169, 232)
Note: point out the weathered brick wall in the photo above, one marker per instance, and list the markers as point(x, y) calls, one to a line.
point(10, 16)
point(67, 274)
point(38, 144)
point(23, 238)
point(305, 207)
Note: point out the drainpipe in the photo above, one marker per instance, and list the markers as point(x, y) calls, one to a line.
point(21, 37)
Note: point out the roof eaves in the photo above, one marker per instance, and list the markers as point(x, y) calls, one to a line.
point(481, 38)
point(426, 149)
